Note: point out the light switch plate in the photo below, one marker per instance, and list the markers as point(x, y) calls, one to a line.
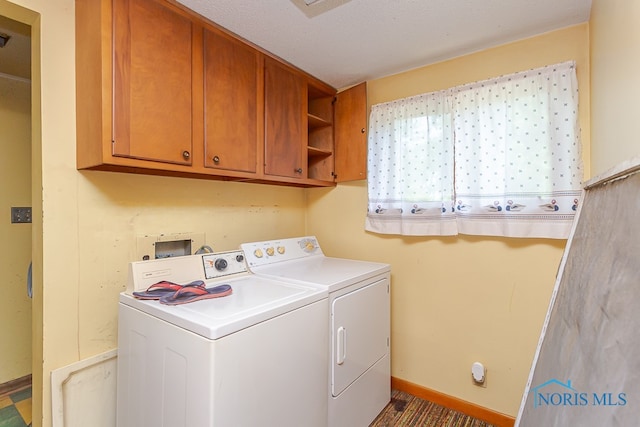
point(20, 215)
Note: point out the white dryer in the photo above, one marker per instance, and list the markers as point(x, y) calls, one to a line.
point(359, 321)
point(256, 357)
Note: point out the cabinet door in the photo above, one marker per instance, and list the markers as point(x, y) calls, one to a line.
point(152, 82)
point(231, 100)
point(351, 134)
point(285, 121)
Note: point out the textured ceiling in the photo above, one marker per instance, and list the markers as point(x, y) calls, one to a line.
point(344, 42)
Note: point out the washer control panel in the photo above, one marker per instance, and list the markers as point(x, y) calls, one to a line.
point(223, 264)
point(272, 251)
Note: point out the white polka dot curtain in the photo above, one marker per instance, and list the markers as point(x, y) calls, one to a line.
point(499, 157)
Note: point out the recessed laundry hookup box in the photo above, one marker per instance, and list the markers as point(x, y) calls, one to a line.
point(156, 246)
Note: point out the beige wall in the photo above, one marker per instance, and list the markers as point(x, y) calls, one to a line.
point(456, 300)
point(118, 207)
point(15, 250)
point(615, 85)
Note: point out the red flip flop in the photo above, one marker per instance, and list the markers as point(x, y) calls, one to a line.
point(163, 288)
point(187, 295)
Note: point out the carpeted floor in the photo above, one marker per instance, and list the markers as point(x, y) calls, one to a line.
point(407, 410)
point(403, 410)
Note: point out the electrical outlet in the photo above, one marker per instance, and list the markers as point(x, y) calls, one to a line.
point(479, 374)
point(20, 215)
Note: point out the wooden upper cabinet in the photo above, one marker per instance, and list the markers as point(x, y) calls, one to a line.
point(233, 103)
point(161, 90)
point(350, 130)
point(152, 82)
point(285, 121)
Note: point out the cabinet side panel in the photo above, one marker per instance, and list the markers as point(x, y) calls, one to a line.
point(91, 23)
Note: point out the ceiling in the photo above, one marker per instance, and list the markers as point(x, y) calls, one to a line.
point(344, 42)
point(15, 56)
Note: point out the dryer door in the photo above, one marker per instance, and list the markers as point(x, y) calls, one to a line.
point(359, 332)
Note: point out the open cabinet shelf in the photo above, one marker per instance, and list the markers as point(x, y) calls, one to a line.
point(317, 122)
point(316, 152)
point(320, 147)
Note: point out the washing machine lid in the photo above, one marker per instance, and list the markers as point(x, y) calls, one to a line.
point(254, 300)
point(331, 273)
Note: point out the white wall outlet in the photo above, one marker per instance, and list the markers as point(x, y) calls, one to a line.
point(479, 374)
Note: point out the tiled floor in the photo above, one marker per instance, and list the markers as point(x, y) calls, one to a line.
point(15, 408)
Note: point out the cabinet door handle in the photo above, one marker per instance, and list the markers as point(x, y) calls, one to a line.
point(186, 155)
point(216, 159)
point(362, 130)
point(299, 170)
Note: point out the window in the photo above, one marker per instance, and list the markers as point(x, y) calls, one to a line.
point(497, 157)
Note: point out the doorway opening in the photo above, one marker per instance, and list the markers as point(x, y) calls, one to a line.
point(15, 221)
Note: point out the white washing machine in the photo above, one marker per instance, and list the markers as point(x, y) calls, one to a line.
point(254, 358)
point(359, 322)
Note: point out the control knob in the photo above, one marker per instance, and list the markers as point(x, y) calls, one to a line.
point(220, 264)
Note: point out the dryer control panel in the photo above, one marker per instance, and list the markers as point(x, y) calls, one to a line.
point(273, 251)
